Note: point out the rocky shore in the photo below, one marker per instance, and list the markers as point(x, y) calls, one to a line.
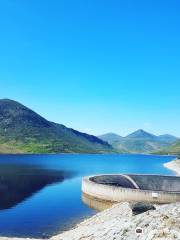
point(118, 223)
point(159, 222)
point(174, 166)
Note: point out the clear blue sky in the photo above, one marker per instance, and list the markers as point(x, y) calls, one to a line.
point(95, 65)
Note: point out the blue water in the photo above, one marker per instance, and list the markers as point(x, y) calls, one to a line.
point(42, 193)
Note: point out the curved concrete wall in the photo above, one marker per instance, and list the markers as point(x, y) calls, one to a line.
point(96, 203)
point(120, 194)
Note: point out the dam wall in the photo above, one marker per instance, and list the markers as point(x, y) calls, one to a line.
point(114, 193)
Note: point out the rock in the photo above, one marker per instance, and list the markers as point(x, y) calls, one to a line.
point(118, 223)
point(140, 207)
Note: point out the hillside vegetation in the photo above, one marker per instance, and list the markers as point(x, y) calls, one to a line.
point(174, 149)
point(24, 131)
point(139, 141)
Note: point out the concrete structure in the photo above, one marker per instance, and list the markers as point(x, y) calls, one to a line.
point(130, 188)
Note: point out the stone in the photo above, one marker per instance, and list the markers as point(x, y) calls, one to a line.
point(141, 207)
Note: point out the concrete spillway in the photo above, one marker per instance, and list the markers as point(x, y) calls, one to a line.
point(130, 188)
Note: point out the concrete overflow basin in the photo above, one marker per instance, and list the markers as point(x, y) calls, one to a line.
point(102, 191)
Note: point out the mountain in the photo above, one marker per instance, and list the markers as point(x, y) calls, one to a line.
point(24, 131)
point(140, 141)
point(141, 134)
point(168, 138)
point(110, 137)
point(114, 140)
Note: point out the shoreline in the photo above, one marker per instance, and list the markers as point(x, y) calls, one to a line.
point(87, 229)
point(85, 153)
point(174, 166)
point(117, 222)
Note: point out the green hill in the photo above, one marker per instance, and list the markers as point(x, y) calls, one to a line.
point(24, 131)
point(139, 141)
point(173, 149)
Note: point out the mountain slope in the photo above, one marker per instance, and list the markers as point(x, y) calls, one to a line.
point(141, 134)
point(173, 149)
point(140, 141)
point(115, 140)
point(23, 130)
point(110, 137)
point(168, 138)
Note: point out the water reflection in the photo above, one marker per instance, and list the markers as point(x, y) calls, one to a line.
point(54, 208)
point(96, 203)
point(19, 182)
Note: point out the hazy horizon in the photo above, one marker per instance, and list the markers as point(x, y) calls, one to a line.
point(95, 66)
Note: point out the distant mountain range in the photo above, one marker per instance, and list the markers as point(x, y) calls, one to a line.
point(139, 141)
point(24, 131)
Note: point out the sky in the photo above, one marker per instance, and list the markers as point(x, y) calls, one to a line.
point(94, 65)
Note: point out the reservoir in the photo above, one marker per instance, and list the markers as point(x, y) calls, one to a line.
point(41, 194)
